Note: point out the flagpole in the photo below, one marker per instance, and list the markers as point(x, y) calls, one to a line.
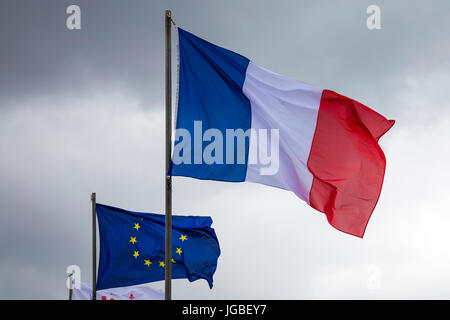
point(168, 179)
point(70, 286)
point(94, 247)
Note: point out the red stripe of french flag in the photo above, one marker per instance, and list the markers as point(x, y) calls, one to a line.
point(346, 161)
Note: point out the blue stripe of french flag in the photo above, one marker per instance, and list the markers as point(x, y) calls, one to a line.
point(314, 142)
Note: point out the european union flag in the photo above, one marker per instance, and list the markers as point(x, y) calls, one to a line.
point(132, 247)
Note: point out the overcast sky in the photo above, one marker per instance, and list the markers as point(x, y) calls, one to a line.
point(83, 111)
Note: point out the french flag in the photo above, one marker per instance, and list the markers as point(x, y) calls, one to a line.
point(326, 144)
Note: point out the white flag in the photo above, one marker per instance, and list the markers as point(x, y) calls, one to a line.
point(84, 292)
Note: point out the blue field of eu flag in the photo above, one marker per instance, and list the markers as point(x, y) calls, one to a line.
point(132, 247)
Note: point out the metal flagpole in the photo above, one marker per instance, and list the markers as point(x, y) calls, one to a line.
point(70, 286)
point(168, 231)
point(94, 247)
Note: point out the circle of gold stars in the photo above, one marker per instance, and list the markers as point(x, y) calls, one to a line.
point(147, 262)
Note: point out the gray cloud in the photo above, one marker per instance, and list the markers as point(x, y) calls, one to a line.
point(82, 111)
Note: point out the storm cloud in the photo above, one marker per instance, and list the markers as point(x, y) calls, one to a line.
point(83, 111)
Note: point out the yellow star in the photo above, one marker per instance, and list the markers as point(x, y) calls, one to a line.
point(147, 262)
point(179, 251)
point(136, 226)
point(162, 264)
point(183, 237)
point(133, 240)
point(142, 219)
point(173, 261)
point(136, 254)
